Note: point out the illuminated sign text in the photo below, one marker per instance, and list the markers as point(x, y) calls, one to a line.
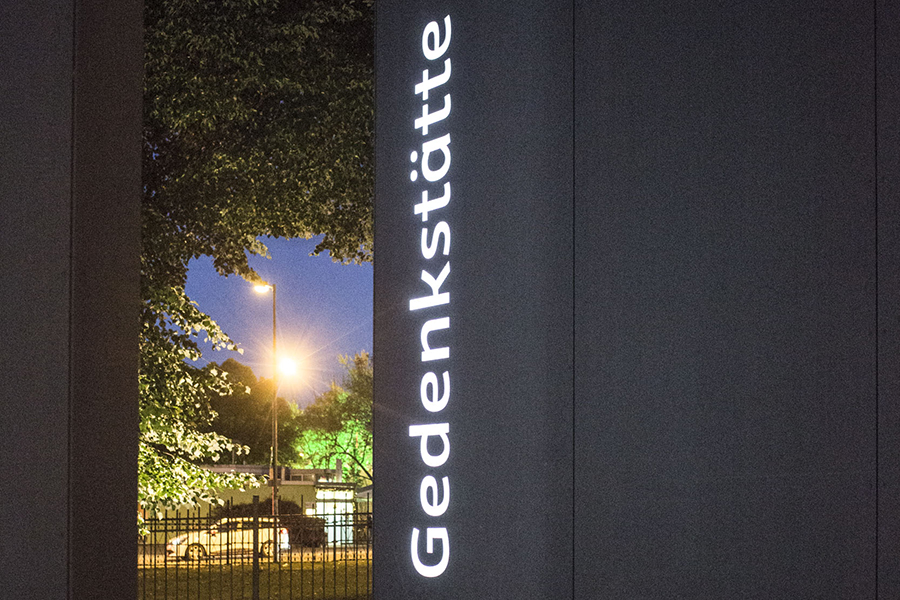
point(432, 160)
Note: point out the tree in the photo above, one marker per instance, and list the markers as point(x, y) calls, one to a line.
point(257, 122)
point(258, 118)
point(245, 417)
point(174, 407)
point(338, 424)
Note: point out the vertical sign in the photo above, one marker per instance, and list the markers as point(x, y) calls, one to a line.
point(473, 301)
point(431, 429)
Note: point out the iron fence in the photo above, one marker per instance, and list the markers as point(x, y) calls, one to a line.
point(324, 554)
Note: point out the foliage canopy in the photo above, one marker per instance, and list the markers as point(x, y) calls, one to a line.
point(245, 416)
point(338, 424)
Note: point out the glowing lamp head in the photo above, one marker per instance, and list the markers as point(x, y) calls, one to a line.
point(286, 366)
point(262, 288)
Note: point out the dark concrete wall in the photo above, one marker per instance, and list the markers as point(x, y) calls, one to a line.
point(726, 350)
point(888, 192)
point(735, 304)
point(69, 233)
point(735, 300)
point(34, 266)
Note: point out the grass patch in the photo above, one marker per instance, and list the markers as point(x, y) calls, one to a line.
point(337, 580)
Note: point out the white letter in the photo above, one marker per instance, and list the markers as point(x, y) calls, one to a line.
point(430, 534)
point(429, 250)
point(427, 205)
point(426, 431)
point(434, 299)
point(430, 118)
point(429, 353)
point(430, 146)
point(434, 509)
point(434, 50)
point(429, 83)
point(431, 401)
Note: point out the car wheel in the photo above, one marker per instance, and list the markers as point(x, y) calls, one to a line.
point(267, 549)
point(194, 552)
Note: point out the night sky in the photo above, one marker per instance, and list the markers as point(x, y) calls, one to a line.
point(324, 309)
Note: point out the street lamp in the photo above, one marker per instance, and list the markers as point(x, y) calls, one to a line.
point(262, 289)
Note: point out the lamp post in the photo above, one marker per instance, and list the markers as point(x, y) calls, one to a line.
point(262, 289)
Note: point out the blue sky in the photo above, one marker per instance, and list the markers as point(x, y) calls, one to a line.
point(324, 309)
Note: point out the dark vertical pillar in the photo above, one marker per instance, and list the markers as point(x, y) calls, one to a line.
point(509, 314)
point(726, 390)
point(887, 29)
point(104, 317)
point(69, 234)
point(35, 191)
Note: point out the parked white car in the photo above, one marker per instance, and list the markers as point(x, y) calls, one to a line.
point(228, 536)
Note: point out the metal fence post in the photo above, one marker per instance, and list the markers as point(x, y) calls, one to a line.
point(255, 547)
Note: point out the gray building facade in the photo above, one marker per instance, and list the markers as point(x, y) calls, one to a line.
point(653, 247)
